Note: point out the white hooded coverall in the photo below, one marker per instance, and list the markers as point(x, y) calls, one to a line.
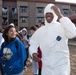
point(55, 54)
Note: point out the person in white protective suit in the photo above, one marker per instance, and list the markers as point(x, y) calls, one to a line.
point(53, 42)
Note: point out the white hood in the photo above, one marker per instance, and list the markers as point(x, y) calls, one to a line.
point(48, 9)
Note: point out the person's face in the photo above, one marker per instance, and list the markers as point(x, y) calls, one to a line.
point(32, 32)
point(49, 17)
point(23, 32)
point(12, 33)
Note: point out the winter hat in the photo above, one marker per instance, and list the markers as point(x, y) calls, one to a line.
point(24, 29)
point(11, 24)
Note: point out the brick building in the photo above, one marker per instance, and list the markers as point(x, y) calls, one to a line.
point(25, 13)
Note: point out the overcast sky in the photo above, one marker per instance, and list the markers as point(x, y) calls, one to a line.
point(70, 1)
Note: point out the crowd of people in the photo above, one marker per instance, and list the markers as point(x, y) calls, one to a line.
point(14, 51)
point(46, 45)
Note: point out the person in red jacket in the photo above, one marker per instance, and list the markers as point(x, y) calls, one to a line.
point(40, 62)
point(40, 54)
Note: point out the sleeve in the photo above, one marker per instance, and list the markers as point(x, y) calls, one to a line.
point(69, 27)
point(1, 53)
point(34, 43)
point(1, 40)
point(22, 56)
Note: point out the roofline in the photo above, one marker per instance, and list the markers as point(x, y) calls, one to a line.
point(46, 1)
point(66, 3)
point(73, 16)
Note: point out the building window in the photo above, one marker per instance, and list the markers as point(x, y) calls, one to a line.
point(14, 11)
point(4, 11)
point(40, 9)
point(23, 8)
point(4, 21)
point(23, 19)
point(65, 11)
point(15, 22)
point(40, 19)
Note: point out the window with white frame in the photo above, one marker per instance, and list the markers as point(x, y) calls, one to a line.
point(40, 19)
point(14, 11)
point(40, 9)
point(4, 11)
point(65, 11)
point(23, 8)
point(23, 19)
point(4, 20)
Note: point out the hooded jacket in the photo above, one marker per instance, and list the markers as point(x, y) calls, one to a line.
point(16, 59)
point(53, 42)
